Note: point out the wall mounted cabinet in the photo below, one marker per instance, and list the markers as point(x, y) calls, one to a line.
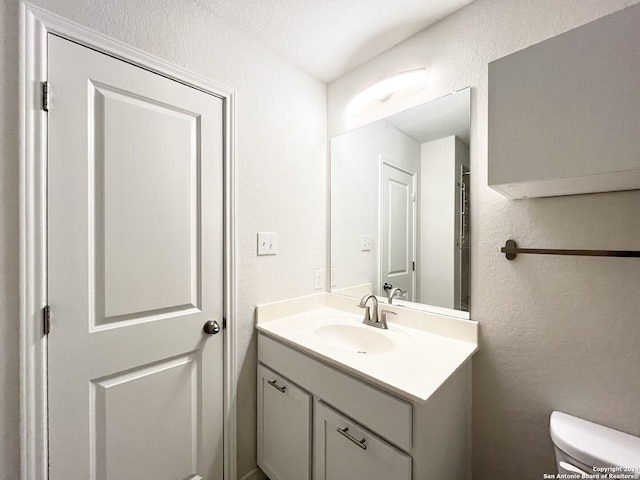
point(564, 115)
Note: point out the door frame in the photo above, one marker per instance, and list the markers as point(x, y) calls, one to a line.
point(35, 24)
point(382, 161)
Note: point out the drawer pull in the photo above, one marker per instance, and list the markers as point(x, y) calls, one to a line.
point(345, 432)
point(275, 385)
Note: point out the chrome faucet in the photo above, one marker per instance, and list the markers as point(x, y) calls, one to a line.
point(369, 318)
point(396, 292)
point(392, 292)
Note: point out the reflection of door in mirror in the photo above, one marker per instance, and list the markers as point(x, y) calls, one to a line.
point(397, 238)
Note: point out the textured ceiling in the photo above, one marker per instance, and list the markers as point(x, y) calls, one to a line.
point(327, 38)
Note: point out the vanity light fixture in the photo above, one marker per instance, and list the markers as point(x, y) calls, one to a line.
point(387, 86)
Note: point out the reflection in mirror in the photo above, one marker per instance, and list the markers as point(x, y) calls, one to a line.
point(400, 206)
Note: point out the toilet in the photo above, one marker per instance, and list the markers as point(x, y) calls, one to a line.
point(587, 449)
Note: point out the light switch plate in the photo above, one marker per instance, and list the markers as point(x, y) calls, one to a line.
point(365, 243)
point(267, 243)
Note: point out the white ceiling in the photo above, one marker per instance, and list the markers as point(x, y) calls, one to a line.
point(328, 38)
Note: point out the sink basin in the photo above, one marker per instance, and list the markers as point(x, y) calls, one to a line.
point(354, 339)
point(353, 336)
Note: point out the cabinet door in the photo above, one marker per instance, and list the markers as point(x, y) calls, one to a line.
point(345, 450)
point(284, 428)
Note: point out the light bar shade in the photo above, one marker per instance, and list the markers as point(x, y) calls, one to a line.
point(387, 86)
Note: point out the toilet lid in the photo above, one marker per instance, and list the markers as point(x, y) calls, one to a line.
point(593, 444)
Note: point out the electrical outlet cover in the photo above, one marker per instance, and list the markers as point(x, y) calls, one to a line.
point(318, 279)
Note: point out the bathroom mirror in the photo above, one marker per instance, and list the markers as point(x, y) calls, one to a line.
point(400, 207)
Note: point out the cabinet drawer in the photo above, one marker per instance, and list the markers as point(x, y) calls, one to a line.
point(346, 450)
point(388, 416)
point(284, 427)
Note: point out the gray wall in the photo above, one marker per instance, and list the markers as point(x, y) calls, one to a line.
point(272, 145)
point(9, 293)
point(555, 332)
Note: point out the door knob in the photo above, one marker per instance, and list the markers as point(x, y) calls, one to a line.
point(211, 327)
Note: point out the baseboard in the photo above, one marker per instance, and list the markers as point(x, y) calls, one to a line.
point(255, 474)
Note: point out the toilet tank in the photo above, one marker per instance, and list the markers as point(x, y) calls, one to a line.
point(583, 447)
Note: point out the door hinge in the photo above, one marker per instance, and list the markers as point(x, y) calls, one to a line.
point(45, 96)
point(46, 319)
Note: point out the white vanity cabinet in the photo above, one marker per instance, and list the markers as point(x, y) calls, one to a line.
point(359, 430)
point(284, 427)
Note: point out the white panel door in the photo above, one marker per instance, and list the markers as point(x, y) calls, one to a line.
point(135, 237)
point(397, 237)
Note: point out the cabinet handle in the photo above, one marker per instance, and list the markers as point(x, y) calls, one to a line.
point(345, 432)
point(275, 385)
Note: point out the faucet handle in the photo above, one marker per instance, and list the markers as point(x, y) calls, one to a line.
point(383, 317)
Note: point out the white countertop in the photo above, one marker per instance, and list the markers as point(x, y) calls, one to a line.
point(437, 345)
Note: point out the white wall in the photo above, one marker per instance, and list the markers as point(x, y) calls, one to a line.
point(281, 173)
point(438, 220)
point(556, 332)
